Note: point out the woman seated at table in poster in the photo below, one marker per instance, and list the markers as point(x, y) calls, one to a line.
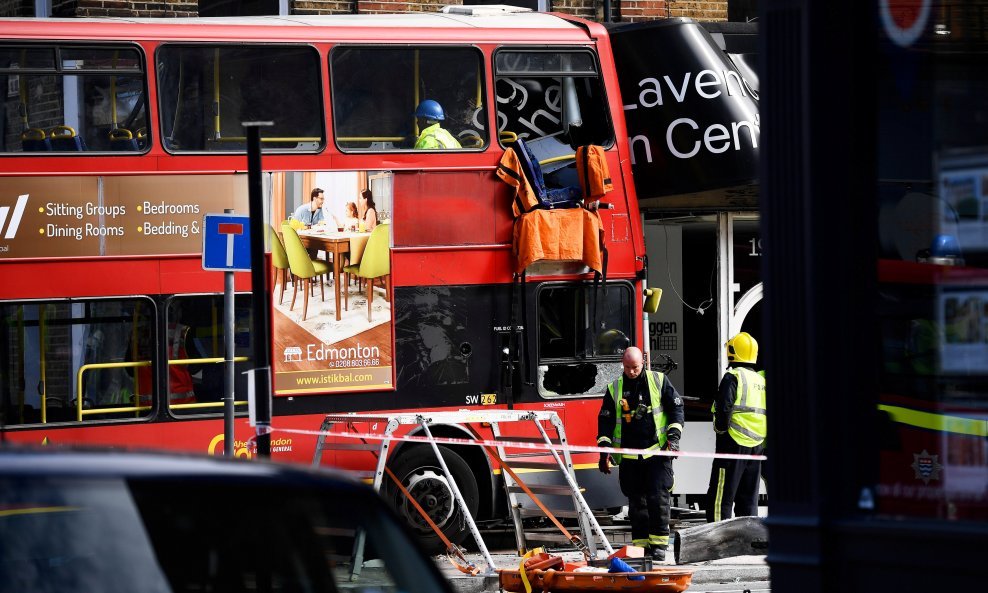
point(369, 220)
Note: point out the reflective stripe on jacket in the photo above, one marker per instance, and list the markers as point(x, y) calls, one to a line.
point(748, 426)
point(655, 380)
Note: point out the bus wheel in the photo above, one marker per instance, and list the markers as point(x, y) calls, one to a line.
point(420, 473)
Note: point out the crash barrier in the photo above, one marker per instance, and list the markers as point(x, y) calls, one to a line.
point(511, 444)
point(559, 449)
point(495, 448)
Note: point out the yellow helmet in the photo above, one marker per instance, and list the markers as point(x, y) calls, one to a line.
point(742, 348)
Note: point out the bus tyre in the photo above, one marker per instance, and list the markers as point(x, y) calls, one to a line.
point(420, 473)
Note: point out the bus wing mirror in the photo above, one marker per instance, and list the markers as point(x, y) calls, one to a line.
point(652, 298)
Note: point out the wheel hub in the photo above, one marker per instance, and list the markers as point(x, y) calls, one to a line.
point(432, 491)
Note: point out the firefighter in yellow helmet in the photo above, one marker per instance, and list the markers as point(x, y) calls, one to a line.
point(739, 421)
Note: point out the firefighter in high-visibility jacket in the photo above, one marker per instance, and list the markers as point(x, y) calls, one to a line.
point(739, 421)
point(642, 410)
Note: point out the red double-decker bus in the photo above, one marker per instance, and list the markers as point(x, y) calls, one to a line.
point(119, 136)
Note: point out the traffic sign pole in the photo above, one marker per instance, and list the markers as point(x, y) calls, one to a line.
point(261, 333)
point(229, 319)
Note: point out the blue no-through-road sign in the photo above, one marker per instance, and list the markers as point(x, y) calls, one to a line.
point(226, 243)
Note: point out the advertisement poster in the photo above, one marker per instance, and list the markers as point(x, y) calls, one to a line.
point(342, 339)
point(80, 216)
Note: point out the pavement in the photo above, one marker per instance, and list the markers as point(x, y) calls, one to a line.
point(723, 570)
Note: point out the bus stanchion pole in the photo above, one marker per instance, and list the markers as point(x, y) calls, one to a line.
point(261, 327)
point(229, 366)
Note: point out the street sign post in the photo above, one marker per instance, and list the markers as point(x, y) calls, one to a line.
point(226, 248)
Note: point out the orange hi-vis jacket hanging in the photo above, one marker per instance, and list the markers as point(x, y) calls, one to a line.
point(509, 169)
point(591, 168)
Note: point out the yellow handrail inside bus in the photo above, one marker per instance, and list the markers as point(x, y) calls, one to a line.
point(203, 405)
point(42, 338)
point(480, 88)
point(178, 100)
point(215, 316)
point(370, 138)
point(113, 99)
point(212, 360)
point(143, 363)
point(106, 365)
point(20, 348)
point(216, 94)
point(556, 159)
point(276, 139)
point(415, 96)
point(508, 136)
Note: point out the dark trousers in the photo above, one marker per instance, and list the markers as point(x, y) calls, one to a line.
point(733, 482)
point(647, 484)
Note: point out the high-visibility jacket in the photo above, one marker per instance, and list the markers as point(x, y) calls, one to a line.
point(747, 426)
point(180, 386)
point(510, 170)
point(436, 137)
point(616, 389)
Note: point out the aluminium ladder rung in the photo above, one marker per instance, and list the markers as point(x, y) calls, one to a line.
point(537, 512)
point(550, 489)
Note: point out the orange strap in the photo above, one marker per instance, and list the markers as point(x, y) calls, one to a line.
point(470, 568)
point(574, 539)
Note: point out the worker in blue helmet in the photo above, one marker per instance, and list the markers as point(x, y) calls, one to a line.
point(429, 114)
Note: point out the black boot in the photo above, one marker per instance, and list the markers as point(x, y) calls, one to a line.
point(657, 554)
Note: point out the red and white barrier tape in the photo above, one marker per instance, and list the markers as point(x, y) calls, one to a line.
point(515, 445)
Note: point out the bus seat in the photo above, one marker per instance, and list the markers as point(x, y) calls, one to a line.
point(65, 138)
point(123, 139)
point(564, 197)
point(35, 140)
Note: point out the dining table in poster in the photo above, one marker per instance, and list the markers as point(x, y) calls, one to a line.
point(338, 243)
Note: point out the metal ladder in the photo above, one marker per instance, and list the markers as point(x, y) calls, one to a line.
point(577, 507)
point(584, 515)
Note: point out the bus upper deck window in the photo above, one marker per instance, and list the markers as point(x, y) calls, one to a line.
point(376, 91)
point(73, 99)
point(554, 94)
point(206, 91)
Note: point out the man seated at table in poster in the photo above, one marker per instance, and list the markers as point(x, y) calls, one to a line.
point(311, 212)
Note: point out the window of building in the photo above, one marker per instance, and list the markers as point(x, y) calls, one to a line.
point(583, 332)
point(376, 91)
point(207, 92)
point(72, 99)
point(71, 361)
point(932, 300)
point(195, 332)
point(555, 94)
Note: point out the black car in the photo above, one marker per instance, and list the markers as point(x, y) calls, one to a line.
point(134, 522)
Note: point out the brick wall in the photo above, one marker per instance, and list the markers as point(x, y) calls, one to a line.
point(162, 8)
point(16, 7)
point(701, 10)
point(322, 6)
point(621, 10)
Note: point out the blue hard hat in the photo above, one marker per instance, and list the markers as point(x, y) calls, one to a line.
point(945, 246)
point(430, 109)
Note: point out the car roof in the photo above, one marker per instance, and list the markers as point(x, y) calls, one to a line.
point(97, 463)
